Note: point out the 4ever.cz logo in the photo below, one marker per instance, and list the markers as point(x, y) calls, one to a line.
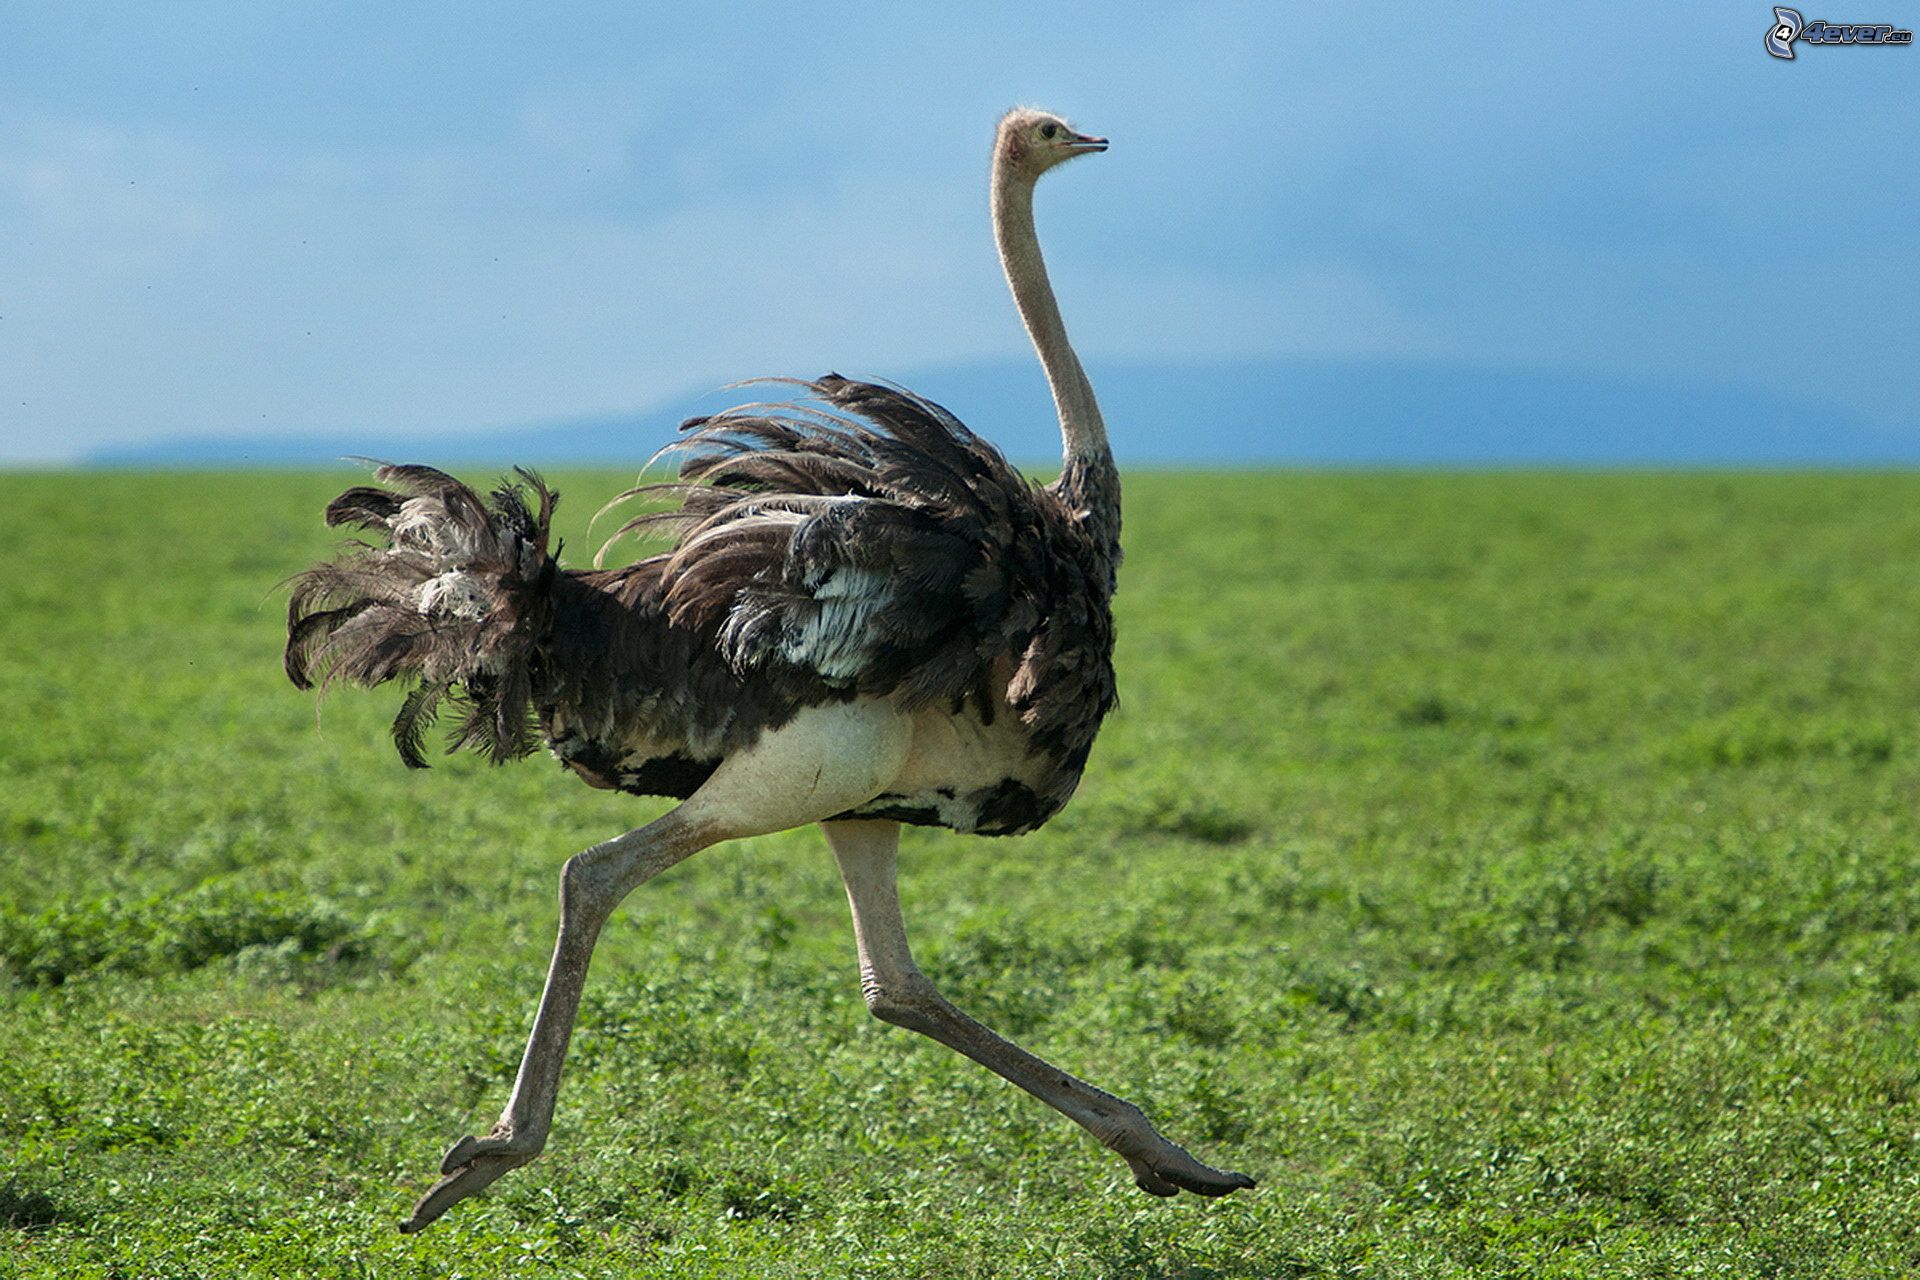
point(1788, 26)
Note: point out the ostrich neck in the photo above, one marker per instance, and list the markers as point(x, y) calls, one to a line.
point(1088, 479)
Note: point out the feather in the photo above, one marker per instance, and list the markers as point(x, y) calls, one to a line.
point(857, 541)
point(416, 717)
point(364, 506)
point(458, 601)
point(864, 534)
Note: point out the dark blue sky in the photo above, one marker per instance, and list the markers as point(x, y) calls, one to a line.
point(343, 217)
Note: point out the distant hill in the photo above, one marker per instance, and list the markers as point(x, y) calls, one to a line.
point(1313, 412)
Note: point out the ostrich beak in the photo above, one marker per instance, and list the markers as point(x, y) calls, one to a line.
point(1081, 144)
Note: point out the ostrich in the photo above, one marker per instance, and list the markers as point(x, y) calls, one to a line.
point(868, 618)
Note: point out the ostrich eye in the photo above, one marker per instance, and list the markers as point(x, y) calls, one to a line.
point(1048, 130)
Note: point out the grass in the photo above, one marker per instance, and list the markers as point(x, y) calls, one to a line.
point(1516, 872)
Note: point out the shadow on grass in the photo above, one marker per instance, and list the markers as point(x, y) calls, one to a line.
point(1139, 1259)
point(26, 1210)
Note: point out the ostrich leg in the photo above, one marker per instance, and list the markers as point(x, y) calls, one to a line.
point(897, 992)
point(825, 761)
point(591, 885)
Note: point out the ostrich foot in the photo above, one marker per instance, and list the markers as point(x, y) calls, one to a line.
point(470, 1165)
point(1168, 1170)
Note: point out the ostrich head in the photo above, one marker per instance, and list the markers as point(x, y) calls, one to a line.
point(1032, 142)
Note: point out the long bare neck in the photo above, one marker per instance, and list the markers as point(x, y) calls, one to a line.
point(1088, 478)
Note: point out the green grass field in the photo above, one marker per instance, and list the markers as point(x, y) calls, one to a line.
point(1516, 873)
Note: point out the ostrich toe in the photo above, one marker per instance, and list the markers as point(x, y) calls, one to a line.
point(470, 1166)
point(1170, 1171)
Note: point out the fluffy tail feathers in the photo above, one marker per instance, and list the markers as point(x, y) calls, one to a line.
point(459, 600)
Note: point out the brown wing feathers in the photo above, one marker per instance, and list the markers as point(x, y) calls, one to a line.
point(867, 534)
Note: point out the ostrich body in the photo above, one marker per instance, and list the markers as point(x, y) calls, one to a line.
point(868, 618)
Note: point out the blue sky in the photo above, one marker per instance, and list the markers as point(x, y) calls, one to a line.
point(330, 217)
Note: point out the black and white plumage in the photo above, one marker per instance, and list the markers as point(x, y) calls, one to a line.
point(865, 618)
point(860, 542)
